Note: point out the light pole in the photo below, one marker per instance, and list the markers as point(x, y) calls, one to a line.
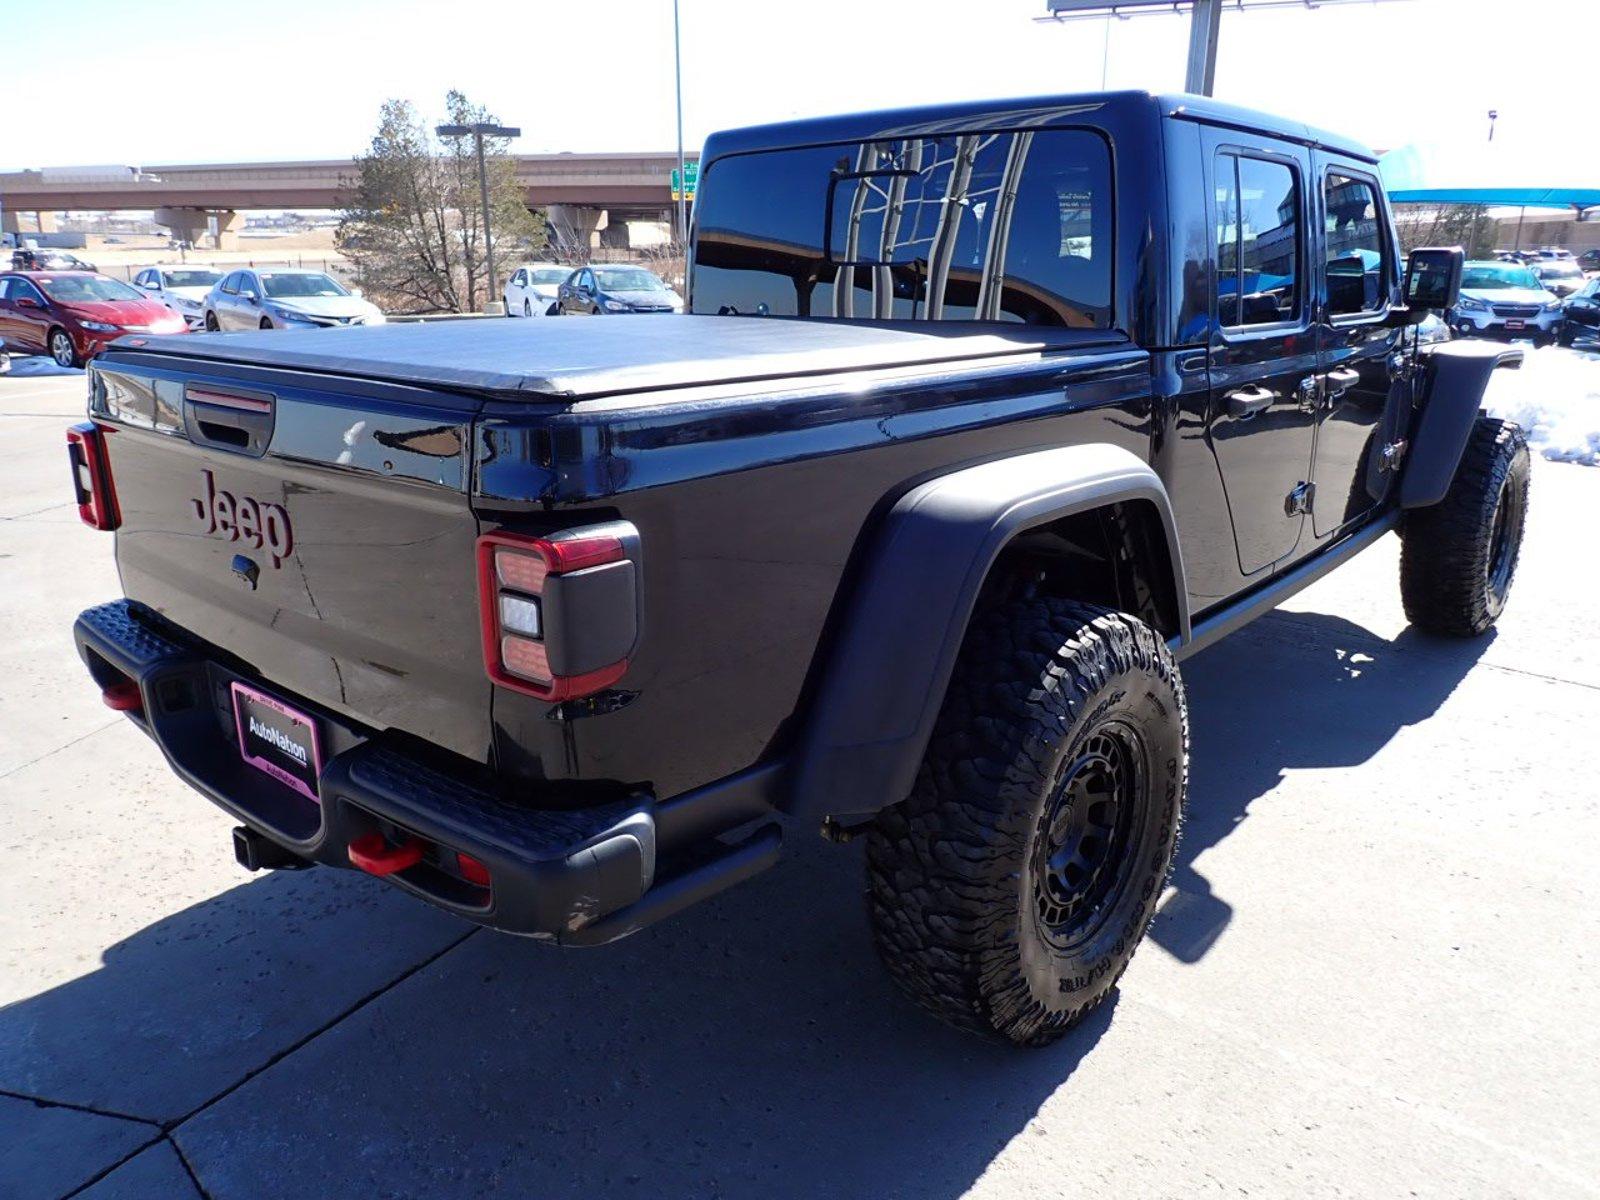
point(1493, 115)
point(479, 131)
point(683, 182)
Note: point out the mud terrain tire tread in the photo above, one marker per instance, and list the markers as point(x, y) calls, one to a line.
point(1445, 556)
point(948, 890)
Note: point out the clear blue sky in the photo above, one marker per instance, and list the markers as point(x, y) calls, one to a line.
point(136, 81)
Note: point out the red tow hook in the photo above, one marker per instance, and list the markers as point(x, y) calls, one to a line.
point(123, 696)
point(376, 857)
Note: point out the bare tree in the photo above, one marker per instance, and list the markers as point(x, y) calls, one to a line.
point(1467, 225)
point(413, 222)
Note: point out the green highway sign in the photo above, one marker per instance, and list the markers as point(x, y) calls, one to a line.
point(691, 172)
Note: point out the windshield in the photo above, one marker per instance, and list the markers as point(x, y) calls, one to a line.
point(1560, 271)
point(549, 274)
point(1491, 277)
point(72, 289)
point(177, 279)
point(629, 279)
point(311, 284)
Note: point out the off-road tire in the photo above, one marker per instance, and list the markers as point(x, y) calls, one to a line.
point(959, 872)
point(1460, 555)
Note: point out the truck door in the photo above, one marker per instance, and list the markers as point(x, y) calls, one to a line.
point(1263, 354)
point(1362, 405)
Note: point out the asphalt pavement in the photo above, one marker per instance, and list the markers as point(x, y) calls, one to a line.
point(1375, 974)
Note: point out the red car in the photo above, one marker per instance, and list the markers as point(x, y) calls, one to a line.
point(72, 315)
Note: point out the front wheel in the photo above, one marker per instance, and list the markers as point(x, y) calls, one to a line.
point(211, 323)
point(266, 323)
point(62, 349)
point(1459, 556)
point(527, 308)
point(1009, 891)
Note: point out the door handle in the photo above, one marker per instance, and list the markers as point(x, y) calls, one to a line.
point(1343, 377)
point(1248, 401)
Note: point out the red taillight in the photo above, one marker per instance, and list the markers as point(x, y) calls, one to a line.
point(519, 578)
point(91, 476)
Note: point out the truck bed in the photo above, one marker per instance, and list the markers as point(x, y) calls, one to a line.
point(577, 359)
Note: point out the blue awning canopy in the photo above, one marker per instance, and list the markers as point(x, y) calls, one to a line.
point(1484, 173)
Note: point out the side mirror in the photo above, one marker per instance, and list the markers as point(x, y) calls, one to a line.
point(1433, 277)
point(247, 294)
point(356, 292)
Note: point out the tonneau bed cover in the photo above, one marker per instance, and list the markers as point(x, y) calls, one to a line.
point(583, 358)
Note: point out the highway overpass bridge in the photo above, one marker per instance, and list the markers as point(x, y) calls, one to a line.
point(580, 191)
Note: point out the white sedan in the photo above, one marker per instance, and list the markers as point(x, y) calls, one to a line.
point(531, 290)
point(182, 289)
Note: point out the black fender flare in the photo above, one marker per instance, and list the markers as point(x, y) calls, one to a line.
point(886, 672)
point(1456, 374)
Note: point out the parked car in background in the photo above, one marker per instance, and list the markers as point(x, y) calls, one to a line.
point(181, 288)
point(1581, 314)
point(604, 288)
point(1589, 260)
point(1562, 276)
point(285, 298)
point(71, 316)
point(32, 258)
point(534, 289)
point(1501, 299)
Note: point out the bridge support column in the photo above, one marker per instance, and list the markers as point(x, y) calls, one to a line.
point(575, 225)
point(192, 224)
point(13, 222)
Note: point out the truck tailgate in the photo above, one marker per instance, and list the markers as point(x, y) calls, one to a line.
point(316, 529)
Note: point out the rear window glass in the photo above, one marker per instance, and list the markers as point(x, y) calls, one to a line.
point(1008, 226)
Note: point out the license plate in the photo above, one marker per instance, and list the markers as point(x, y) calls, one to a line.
point(1513, 323)
point(277, 739)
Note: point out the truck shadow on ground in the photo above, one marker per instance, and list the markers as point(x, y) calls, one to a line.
point(751, 1048)
point(1294, 691)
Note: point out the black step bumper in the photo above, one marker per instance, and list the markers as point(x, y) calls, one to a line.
point(577, 876)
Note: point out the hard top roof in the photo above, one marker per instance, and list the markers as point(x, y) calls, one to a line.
point(1040, 112)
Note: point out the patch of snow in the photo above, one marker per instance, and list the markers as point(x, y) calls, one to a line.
point(1555, 397)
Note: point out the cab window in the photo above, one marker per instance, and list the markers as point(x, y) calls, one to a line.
point(1001, 225)
point(1357, 258)
point(1258, 242)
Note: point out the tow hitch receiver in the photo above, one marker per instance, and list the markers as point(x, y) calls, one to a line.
point(376, 857)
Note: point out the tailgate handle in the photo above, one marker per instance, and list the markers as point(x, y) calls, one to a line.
point(227, 420)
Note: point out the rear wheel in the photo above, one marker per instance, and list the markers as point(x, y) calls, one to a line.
point(62, 349)
point(1460, 556)
point(1009, 890)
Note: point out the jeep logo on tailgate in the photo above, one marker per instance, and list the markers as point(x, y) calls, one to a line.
point(244, 518)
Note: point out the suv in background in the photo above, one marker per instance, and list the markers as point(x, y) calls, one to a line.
point(1501, 299)
point(1559, 276)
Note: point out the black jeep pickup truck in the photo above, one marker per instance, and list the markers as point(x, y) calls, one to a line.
point(983, 418)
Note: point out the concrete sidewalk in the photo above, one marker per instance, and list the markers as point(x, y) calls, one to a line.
point(1375, 974)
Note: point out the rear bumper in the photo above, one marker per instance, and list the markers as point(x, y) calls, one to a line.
point(576, 876)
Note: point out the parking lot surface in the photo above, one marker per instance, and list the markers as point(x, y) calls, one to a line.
point(1375, 973)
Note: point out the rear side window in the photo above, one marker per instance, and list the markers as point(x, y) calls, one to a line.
point(1258, 242)
point(1001, 226)
point(1358, 264)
